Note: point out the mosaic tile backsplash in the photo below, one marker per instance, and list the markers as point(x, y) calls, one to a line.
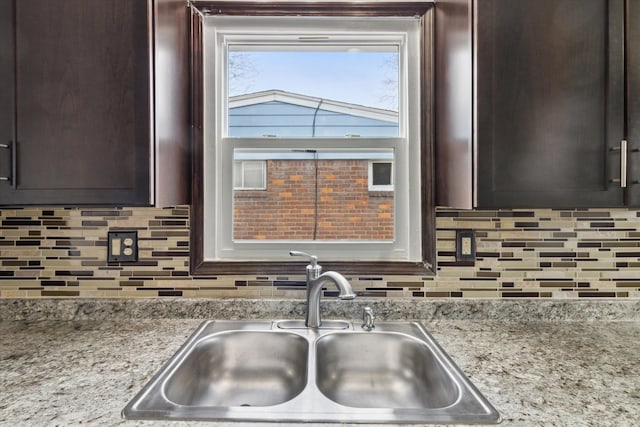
point(61, 252)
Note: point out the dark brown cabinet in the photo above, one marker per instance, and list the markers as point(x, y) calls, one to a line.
point(632, 43)
point(79, 115)
point(7, 91)
point(541, 120)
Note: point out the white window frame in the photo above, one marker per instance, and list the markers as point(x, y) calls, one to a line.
point(385, 187)
point(218, 31)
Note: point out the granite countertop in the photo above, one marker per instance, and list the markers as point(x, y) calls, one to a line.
point(84, 369)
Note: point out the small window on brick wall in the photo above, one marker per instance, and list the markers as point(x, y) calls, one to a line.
point(249, 175)
point(380, 176)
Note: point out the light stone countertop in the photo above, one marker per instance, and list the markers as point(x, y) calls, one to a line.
point(536, 372)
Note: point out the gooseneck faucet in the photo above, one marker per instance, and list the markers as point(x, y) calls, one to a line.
point(315, 280)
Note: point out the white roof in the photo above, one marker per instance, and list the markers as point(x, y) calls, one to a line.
point(312, 102)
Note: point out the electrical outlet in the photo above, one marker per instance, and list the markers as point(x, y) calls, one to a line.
point(465, 248)
point(122, 247)
point(465, 245)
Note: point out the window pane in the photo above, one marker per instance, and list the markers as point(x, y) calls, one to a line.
point(381, 173)
point(248, 175)
point(253, 174)
point(297, 90)
point(321, 195)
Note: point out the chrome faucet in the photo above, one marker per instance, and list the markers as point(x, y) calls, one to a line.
point(315, 280)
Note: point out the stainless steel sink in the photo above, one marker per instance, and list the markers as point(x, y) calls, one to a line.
point(382, 370)
point(278, 371)
point(241, 368)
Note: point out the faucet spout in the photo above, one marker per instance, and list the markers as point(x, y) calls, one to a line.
point(314, 291)
point(315, 280)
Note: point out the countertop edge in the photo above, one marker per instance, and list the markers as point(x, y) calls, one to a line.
point(385, 309)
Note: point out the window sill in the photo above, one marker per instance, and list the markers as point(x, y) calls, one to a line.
point(369, 268)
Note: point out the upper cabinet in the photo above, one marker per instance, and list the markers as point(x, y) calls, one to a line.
point(7, 92)
point(84, 119)
point(632, 43)
point(533, 106)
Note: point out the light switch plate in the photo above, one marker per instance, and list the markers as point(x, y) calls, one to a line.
point(122, 247)
point(465, 245)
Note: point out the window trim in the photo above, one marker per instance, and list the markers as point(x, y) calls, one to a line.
point(399, 34)
point(199, 266)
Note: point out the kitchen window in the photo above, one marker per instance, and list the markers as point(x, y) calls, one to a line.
point(320, 112)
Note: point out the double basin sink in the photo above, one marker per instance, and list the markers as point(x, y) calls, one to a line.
point(282, 371)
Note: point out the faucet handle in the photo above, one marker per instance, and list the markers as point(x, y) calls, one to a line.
point(368, 319)
point(312, 258)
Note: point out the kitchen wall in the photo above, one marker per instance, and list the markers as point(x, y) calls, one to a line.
point(61, 252)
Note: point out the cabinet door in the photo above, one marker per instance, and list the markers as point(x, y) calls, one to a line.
point(6, 92)
point(82, 102)
point(550, 102)
point(633, 100)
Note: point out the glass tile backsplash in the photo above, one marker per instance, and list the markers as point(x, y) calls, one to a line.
point(543, 253)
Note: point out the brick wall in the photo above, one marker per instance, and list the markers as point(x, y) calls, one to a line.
point(346, 209)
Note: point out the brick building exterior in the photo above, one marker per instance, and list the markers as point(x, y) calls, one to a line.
point(305, 198)
point(345, 209)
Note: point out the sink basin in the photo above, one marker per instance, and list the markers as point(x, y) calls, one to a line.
point(382, 370)
point(279, 371)
point(240, 368)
